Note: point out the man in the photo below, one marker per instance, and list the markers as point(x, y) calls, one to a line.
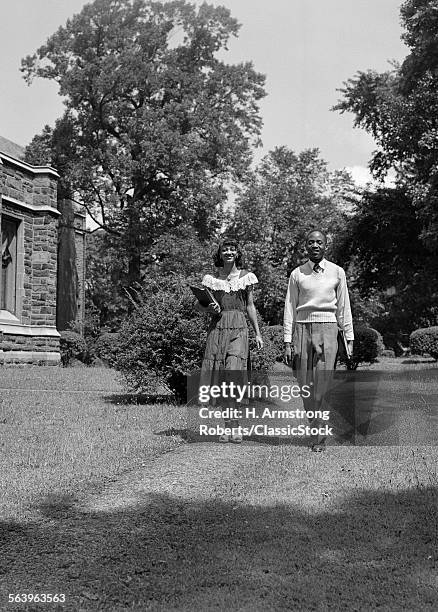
point(317, 303)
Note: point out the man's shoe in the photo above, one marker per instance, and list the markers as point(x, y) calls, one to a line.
point(224, 438)
point(318, 448)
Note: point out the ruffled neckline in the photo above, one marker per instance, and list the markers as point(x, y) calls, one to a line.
point(219, 284)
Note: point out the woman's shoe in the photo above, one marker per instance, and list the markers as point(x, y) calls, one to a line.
point(237, 439)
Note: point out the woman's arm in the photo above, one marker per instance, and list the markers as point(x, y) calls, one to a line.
point(252, 316)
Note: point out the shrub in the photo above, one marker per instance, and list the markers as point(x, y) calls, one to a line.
point(368, 345)
point(263, 360)
point(72, 346)
point(162, 340)
point(425, 340)
point(106, 347)
point(275, 337)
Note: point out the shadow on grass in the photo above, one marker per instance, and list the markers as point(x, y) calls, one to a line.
point(191, 435)
point(138, 399)
point(415, 361)
point(374, 550)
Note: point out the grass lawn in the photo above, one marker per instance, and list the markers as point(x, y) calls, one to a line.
point(96, 505)
point(64, 431)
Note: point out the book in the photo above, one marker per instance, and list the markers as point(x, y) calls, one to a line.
point(203, 295)
point(343, 345)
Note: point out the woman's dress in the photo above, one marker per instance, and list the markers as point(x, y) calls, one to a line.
point(227, 345)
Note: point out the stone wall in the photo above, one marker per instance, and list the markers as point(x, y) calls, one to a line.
point(28, 198)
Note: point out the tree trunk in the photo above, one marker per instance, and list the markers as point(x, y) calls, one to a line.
point(133, 246)
point(67, 282)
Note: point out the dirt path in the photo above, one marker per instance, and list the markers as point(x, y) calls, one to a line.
point(191, 472)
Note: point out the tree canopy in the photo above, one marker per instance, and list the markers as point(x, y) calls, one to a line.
point(399, 108)
point(155, 124)
point(393, 274)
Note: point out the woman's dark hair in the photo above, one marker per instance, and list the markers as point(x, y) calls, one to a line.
point(217, 257)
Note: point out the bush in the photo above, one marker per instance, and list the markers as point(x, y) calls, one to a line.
point(425, 340)
point(163, 340)
point(273, 335)
point(368, 345)
point(72, 346)
point(263, 360)
point(106, 347)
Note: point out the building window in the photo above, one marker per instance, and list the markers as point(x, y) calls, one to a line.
point(8, 270)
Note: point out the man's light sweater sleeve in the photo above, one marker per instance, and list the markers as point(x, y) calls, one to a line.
point(343, 313)
point(290, 309)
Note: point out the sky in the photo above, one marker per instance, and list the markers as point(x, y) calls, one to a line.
point(306, 49)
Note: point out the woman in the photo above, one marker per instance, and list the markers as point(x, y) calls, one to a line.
point(227, 345)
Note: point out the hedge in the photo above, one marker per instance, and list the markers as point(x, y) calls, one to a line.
point(368, 345)
point(72, 346)
point(425, 341)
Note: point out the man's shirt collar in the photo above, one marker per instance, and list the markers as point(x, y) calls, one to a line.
point(322, 263)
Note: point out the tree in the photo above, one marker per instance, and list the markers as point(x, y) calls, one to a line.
point(67, 275)
point(393, 275)
point(399, 108)
point(106, 305)
point(157, 124)
point(179, 255)
point(287, 195)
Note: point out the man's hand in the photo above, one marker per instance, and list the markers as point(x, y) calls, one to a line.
point(287, 354)
point(349, 348)
point(259, 341)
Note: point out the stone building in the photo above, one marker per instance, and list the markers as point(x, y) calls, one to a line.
point(30, 225)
